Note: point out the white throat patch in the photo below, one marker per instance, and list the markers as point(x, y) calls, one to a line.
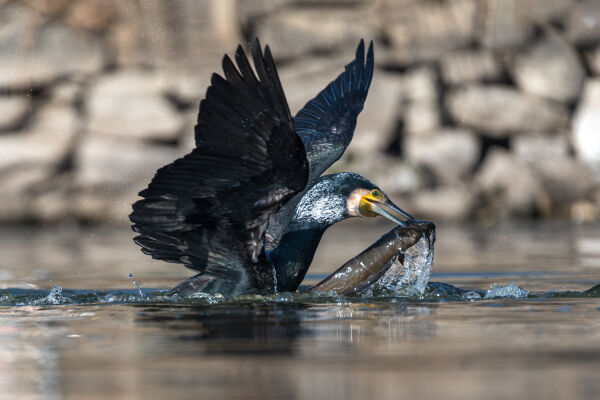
point(321, 204)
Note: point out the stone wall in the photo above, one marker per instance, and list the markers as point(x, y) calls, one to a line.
point(478, 108)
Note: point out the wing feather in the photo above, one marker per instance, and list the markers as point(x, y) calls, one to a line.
point(209, 209)
point(328, 120)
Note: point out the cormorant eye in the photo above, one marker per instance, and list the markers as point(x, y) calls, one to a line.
point(375, 193)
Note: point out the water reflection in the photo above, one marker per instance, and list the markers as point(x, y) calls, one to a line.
point(534, 348)
point(276, 328)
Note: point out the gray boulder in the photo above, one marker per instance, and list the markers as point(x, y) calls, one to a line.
point(586, 125)
point(13, 110)
point(549, 68)
point(131, 104)
point(450, 154)
point(499, 110)
point(463, 66)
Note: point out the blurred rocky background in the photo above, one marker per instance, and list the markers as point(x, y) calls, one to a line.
point(480, 109)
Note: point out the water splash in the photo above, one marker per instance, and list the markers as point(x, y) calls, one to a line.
point(411, 276)
point(130, 276)
point(509, 291)
point(434, 292)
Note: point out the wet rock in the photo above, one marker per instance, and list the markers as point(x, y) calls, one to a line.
point(465, 66)
point(586, 125)
point(445, 202)
point(14, 109)
point(450, 154)
point(508, 185)
point(45, 59)
point(549, 68)
point(293, 33)
point(90, 14)
point(499, 110)
point(582, 24)
point(424, 30)
point(131, 104)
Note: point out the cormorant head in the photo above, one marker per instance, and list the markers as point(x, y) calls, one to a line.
point(333, 198)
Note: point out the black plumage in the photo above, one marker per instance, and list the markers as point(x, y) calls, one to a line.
point(210, 210)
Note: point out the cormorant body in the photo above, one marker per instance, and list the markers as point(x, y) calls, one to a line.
point(247, 207)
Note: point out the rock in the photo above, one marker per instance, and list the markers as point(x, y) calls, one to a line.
point(565, 180)
point(499, 110)
point(104, 161)
point(110, 172)
point(90, 14)
point(447, 203)
point(582, 23)
point(501, 25)
point(66, 93)
point(45, 58)
point(549, 68)
point(508, 185)
point(376, 125)
point(420, 110)
point(421, 117)
point(421, 31)
point(47, 6)
point(392, 175)
point(305, 78)
point(297, 32)
point(14, 109)
point(30, 158)
point(592, 58)
point(16, 184)
point(377, 122)
point(584, 211)
point(535, 148)
point(46, 141)
point(586, 125)
point(131, 104)
point(509, 23)
point(464, 66)
point(420, 84)
point(450, 154)
point(179, 35)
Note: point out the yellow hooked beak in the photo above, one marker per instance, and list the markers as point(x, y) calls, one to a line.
point(370, 206)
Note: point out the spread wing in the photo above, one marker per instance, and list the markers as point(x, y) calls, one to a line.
point(326, 123)
point(209, 210)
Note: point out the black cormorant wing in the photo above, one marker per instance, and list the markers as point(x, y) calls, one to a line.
point(209, 210)
point(326, 123)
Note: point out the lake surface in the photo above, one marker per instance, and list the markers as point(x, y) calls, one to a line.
point(104, 340)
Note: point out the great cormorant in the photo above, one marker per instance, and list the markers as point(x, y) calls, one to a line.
point(247, 207)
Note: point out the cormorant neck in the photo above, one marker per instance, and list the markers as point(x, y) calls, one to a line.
point(294, 254)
